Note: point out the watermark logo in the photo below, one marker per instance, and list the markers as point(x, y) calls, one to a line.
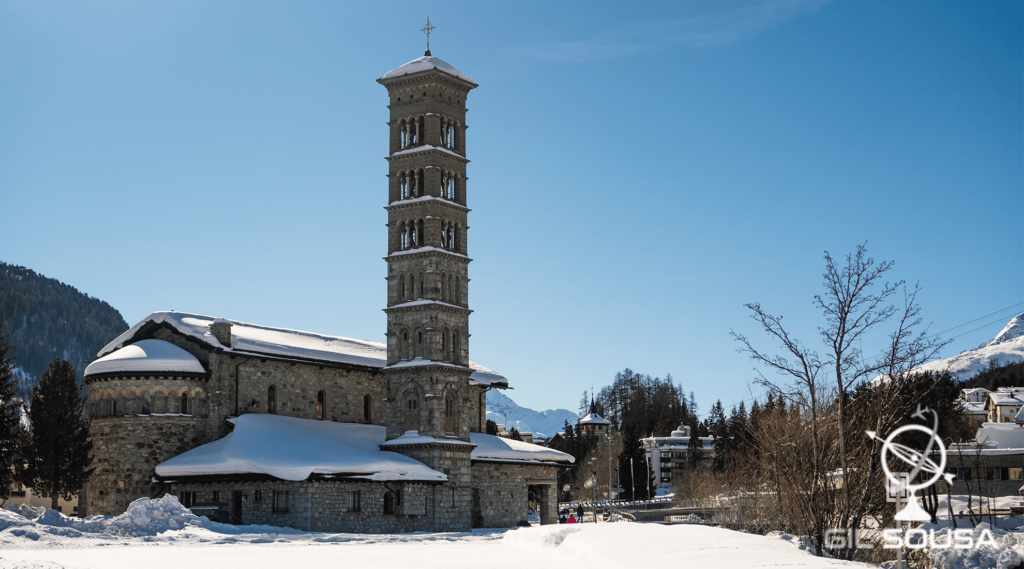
point(901, 488)
point(903, 483)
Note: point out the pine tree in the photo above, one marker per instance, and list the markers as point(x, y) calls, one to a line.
point(514, 435)
point(696, 449)
point(12, 434)
point(721, 437)
point(59, 456)
point(491, 427)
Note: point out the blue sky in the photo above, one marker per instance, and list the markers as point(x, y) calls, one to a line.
point(638, 173)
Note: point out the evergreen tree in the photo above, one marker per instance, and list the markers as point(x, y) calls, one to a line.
point(491, 427)
point(58, 458)
point(633, 465)
point(12, 434)
point(514, 435)
point(721, 431)
point(695, 449)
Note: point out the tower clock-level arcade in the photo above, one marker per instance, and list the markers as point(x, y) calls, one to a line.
point(428, 374)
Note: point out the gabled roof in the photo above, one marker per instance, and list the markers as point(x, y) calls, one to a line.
point(146, 356)
point(426, 63)
point(1004, 400)
point(594, 419)
point(974, 408)
point(253, 339)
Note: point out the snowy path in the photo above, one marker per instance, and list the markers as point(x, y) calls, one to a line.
point(601, 546)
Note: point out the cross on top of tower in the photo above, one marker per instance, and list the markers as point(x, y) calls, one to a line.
point(427, 29)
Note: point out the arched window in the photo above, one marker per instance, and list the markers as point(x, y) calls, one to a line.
point(421, 286)
point(444, 344)
point(412, 285)
point(147, 404)
point(401, 287)
point(271, 400)
point(367, 408)
point(321, 400)
point(184, 404)
point(451, 414)
point(451, 294)
point(403, 192)
point(414, 237)
point(402, 239)
point(403, 129)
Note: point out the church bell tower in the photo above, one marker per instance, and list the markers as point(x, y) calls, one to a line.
point(427, 373)
point(428, 280)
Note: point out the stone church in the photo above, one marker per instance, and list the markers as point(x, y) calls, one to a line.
point(250, 424)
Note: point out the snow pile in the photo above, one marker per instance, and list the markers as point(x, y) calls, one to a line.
point(255, 339)
point(1007, 552)
point(1003, 435)
point(144, 517)
point(292, 449)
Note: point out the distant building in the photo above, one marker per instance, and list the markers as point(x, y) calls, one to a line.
point(594, 424)
point(974, 394)
point(669, 456)
point(1002, 406)
point(22, 495)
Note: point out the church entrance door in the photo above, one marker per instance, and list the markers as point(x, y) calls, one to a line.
point(236, 507)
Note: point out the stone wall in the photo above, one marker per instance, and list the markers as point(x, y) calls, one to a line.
point(319, 505)
point(126, 451)
point(453, 503)
point(500, 493)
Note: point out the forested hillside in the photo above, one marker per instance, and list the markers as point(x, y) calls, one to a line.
point(47, 318)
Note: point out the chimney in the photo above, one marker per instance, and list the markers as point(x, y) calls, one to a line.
point(221, 329)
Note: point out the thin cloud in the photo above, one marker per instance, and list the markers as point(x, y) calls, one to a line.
point(706, 30)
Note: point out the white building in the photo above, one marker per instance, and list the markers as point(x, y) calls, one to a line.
point(670, 455)
point(1003, 406)
point(974, 395)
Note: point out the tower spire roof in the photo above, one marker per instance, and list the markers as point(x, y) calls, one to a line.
point(426, 63)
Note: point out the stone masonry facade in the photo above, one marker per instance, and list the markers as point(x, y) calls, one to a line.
point(500, 493)
point(126, 451)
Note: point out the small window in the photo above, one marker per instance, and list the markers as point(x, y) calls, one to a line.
point(187, 499)
point(389, 504)
point(1017, 474)
point(147, 404)
point(280, 501)
point(216, 496)
point(271, 400)
point(17, 494)
point(320, 399)
point(257, 496)
point(354, 501)
point(367, 408)
point(60, 508)
point(183, 407)
point(420, 338)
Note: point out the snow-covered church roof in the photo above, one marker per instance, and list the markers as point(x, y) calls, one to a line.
point(425, 63)
point(290, 448)
point(281, 342)
point(146, 356)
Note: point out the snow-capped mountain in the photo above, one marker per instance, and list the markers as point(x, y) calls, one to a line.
point(540, 423)
point(1006, 348)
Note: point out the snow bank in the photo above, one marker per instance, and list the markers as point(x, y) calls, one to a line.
point(292, 449)
point(144, 517)
point(1007, 552)
point(280, 342)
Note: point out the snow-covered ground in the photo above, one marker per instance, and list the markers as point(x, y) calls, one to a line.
point(162, 534)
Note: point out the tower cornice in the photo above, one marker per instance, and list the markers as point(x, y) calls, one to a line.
point(424, 252)
point(427, 306)
point(410, 203)
point(417, 150)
